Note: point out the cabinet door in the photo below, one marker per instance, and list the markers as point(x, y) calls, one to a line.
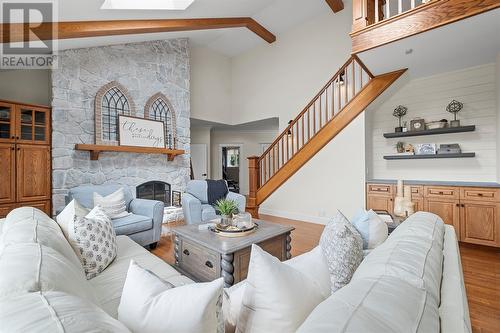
point(7, 173)
point(479, 223)
point(32, 125)
point(448, 210)
point(44, 206)
point(379, 202)
point(7, 122)
point(33, 173)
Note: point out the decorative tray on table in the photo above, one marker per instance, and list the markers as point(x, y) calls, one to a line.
point(232, 231)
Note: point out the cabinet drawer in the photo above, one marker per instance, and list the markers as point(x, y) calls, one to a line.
point(441, 192)
point(380, 189)
point(44, 206)
point(5, 209)
point(417, 191)
point(199, 262)
point(481, 194)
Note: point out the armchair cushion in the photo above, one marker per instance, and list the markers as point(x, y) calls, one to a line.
point(131, 224)
point(208, 212)
point(84, 194)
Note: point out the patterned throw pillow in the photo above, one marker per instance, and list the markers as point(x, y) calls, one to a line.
point(343, 248)
point(114, 204)
point(94, 241)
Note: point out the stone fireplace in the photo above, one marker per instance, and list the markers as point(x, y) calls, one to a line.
point(144, 69)
point(155, 190)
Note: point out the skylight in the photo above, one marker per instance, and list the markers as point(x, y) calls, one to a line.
point(147, 4)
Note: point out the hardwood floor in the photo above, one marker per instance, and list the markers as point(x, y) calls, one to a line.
point(481, 266)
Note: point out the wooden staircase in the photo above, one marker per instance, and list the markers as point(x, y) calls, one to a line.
point(338, 103)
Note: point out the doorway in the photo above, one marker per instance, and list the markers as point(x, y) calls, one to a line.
point(199, 160)
point(231, 166)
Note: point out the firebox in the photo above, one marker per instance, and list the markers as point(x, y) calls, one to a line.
point(154, 190)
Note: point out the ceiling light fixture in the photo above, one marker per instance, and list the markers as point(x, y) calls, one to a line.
point(147, 4)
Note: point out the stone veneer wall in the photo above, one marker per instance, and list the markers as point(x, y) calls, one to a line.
point(144, 69)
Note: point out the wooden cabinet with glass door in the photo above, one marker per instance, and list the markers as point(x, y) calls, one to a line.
point(25, 157)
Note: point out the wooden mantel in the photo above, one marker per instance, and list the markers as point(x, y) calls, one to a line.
point(96, 149)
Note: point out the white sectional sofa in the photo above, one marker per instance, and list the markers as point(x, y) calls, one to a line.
point(411, 283)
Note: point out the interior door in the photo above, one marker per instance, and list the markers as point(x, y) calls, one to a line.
point(7, 173)
point(33, 172)
point(199, 160)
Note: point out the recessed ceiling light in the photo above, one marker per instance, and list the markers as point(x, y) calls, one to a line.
point(147, 4)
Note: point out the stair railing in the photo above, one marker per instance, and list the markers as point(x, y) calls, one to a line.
point(349, 80)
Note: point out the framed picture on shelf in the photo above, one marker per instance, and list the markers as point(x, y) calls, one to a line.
point(176, 199)
point(140, 132)
point(417, 125)
point(425, 149)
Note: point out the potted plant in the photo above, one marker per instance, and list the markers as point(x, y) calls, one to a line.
point(399, 112)
point(226, 209)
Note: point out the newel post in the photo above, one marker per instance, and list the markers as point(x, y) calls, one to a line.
point(363, 14)
point(253, 186)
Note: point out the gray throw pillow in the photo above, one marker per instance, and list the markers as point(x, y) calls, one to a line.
point(94, 241)
point(342, 246)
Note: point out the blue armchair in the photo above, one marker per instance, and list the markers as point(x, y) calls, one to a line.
point(195, 203)
point(143, 225)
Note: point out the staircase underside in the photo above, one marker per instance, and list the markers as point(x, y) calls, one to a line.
point(357, 105)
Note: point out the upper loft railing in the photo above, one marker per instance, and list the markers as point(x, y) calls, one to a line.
point(349, 80)
point(369, 12)
point(378, 22)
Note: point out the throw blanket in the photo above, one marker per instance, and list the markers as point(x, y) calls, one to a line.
point(216, 189)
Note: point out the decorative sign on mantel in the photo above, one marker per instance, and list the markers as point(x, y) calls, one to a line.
point(140, 132)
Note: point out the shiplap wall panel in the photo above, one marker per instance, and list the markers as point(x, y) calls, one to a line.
point(427, 98)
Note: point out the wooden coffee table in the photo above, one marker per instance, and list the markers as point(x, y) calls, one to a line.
point(204, 256)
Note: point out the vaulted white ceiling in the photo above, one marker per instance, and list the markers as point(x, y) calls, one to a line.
point(275, 15)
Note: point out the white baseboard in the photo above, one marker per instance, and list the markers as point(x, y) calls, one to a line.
point(295, 216)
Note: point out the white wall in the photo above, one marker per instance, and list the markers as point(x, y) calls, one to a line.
point(250, 145)
point(281, 78)
point(26, 86)
point(427, 98)
point(333, 179)
point(210, 85)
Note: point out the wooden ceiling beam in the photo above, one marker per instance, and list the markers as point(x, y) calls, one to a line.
point(335, 5)
point(81, 29)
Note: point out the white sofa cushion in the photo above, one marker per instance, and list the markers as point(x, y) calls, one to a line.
point(148, 304)
point(94, 240)
point(54, 312)
point(38, 228)
point(35, 267)
point(72, 210)
point(114, 204)
point(414, 254)
point(277, 297)
point(371, 227)
point(343, 248)
point(312, 264)
point(453, 310)
point(383, 304)
point(108, 285)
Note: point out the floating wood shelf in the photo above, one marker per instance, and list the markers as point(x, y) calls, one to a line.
point(420, 157)
point(446, 130)
point(96, 149)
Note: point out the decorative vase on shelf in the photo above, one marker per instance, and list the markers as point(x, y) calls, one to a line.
point(226, 220)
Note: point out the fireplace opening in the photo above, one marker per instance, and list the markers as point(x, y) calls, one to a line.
point(154, 190)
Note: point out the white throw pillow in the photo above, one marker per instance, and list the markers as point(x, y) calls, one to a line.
point(68, 214)
point(277, 297)
point(313, 264)
point(114, 204)
point(94, 241)
point(343, 248)
point(371, 227)
point(148, 304)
